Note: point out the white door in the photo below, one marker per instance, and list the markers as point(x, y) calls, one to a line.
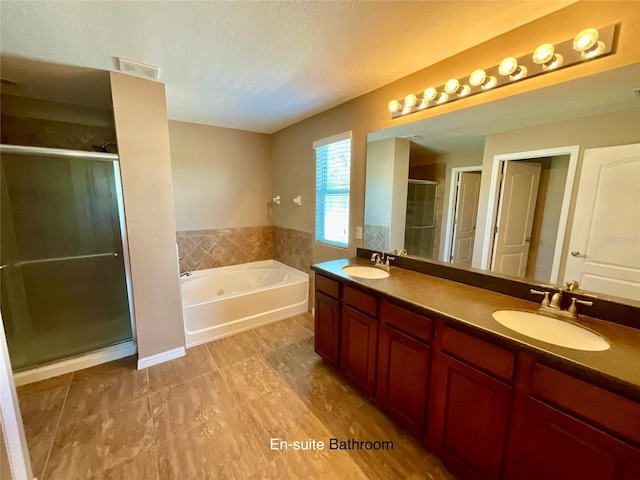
point(466, 213)
point(604, 251)
point(517, 206)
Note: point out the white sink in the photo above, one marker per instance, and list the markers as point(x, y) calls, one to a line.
point(362, 271)
point(551, 330)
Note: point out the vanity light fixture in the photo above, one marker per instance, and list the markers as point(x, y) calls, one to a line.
point(587, 43)
point(546, 56)
point(590, 43)
point(509, 67)
point(453, 86)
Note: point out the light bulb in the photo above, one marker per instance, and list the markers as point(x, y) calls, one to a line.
point(489, 83)
point(442, 97)
point(586, 40)
point(464, 91)
point(406, 110)
point(543, 54)
point(451, 86)
point(593, 51)
point(430, 94)
point(477, 77)
point(555, 62)
point(410, 100)
point(394, 106)
point(508, 66)
point(422, 105)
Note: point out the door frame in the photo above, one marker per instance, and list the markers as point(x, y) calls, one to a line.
point(450, 209)
point(10, 419)
point(494, 191)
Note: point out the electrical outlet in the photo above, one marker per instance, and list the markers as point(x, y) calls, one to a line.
point(359, 233)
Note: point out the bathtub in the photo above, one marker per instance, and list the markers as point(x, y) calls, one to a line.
point(222, 301)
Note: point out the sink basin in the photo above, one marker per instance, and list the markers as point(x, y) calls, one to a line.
point(551, 330)
point(362, 271)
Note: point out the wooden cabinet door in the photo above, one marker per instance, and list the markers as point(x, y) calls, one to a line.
point(327, 328)
point(549, 444)
point(468, 418)
point(403, 373)
point(358, 349)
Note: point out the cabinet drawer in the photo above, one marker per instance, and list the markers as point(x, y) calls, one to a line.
point(406, 321)
point(480, 354)
point(328, 286)
point(606, 409)
point(361, 301)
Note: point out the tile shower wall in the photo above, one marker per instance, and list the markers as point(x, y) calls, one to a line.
point(293, 248)
point(202, 249)
point(376, 237)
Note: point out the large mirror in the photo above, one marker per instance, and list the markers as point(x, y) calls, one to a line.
point(497, 186)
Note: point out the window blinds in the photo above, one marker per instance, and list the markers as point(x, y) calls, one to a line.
point(333, 180)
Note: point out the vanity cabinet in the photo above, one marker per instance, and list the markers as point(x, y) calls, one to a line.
point(563, 427)
point(486, 411)
point(327, 320)
point(359, 337)
point(404, 358)
point(470, 404)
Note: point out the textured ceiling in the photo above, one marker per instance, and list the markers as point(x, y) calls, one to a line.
point(260, 66)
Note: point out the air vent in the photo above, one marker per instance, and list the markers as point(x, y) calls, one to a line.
point(138, 69)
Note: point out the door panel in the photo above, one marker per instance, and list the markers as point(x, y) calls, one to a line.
point(466, 214)
point(517, 205)
point(327, 324)
point(605, 256)
point(358, 351)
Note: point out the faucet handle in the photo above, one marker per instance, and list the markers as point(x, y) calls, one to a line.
point(389, 257)
point(573, 286)
point(573, 310)
point(545, 300)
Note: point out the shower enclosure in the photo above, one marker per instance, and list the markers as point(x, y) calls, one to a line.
point(64, 288)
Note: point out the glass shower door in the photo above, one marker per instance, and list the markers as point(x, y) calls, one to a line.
point(63, 283)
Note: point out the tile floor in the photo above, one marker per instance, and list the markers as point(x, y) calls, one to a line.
point(211, 415)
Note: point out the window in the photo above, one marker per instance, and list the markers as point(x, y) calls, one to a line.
point(333, 180)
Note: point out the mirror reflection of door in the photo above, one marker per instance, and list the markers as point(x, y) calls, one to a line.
point(516, 209)
point(605, 239)
point(465, 215)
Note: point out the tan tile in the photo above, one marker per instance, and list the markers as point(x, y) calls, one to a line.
point(189, 404)
point(408, 459)
point(295, 360)
point(284, 332)
point(326, 395)
point(44, 385)
point(235, 348)
point(102, 389)
point(196, 362)
point(251, 378)
point(311, 465)
point(223, 447)
point(40, 415)
point(307, 321)
point(102, 441)
point(141, 467)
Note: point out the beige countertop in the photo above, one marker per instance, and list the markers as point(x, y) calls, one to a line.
point(470, 308)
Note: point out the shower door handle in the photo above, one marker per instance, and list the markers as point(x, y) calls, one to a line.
point(3, 266)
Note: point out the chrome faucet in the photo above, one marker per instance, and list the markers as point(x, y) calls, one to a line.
point(554, 306)
point(379, 260)
point(186, 273)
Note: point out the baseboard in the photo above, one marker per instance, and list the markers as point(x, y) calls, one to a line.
point(160, 358)
point(90, 359)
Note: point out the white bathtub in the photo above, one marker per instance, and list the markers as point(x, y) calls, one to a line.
point(222, 301)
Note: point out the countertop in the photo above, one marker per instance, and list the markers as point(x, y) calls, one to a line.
point(470, 308)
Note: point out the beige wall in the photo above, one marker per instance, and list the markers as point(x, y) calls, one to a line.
point(293, 156)
point(617, 128)
point(221, 177)
point(143, 140)
point(387, 169)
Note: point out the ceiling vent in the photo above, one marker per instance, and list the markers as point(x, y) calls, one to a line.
point(138, 69)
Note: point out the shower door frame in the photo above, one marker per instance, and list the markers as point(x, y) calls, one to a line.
point(124, 348)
